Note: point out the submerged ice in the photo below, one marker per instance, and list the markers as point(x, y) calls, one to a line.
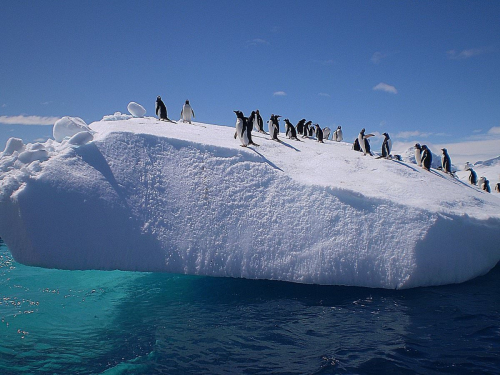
point(136, 194)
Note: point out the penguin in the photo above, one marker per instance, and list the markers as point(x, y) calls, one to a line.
point(291, 133)
point(249, 129)
point(305, 130)
point(418, 154)
point(497, 187)
point(426, 158)
point(319, 134)
point(300, 126)
point(257, 122)
point(363, 142)
point(484, 184)
point(161, 110)
point(241, 129)
point(337, 134)
point(472, 176)
point(445, 161)
point(355, 145)
point(386, 146)
point(326, 132)
point(311, 131)
point(187, 112)
point(274, 127)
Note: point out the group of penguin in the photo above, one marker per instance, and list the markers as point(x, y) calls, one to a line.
point(187, 112)
point(423, 155)
point(482, 182)
point(245, 126)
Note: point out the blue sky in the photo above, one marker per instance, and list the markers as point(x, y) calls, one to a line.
point(425, 71)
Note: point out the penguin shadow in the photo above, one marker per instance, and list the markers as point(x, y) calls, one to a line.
point(406, 165)
point(288, 145)
point(267, 161)
point(455, 180)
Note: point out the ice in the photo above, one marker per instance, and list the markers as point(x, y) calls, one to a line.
point(136, 109)
point(150, 196)
point(117, 116)
point(68, 127)
point(13, 145)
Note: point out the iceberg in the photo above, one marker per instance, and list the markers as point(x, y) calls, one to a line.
point(145, 195)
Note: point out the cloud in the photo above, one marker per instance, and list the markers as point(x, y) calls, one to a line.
point(324, 94)
point(378, 57)
point(279, 93)
point(28, 120)
point(258, 42)
point(467, 53)
point(385, 87)
point(410, 134)
point(494, 130)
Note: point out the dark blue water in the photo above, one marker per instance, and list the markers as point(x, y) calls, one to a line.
point(88, 322)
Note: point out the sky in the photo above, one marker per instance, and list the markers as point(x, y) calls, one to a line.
point(423, 71)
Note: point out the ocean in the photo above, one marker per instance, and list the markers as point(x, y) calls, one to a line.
point(114, 322)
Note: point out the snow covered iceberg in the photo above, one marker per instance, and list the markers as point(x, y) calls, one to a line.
point(152, 196)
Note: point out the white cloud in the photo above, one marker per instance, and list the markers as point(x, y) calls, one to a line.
point(494, 131)
point(377, 57)
point(467, 53)
point(279, 93)
point(27, 120)
point(410, 134)
point(258, 42)
point(385, 87)
point(324, 94)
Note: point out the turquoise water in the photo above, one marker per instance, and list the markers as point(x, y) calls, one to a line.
point(91, 322)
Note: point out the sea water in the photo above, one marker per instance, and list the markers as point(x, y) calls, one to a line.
point(113, 322)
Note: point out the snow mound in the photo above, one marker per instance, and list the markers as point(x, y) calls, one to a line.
point(117, 116)
point(13, 145)
point(136, 109)
point(181, 198)
point(68, 127)
point(81, 138)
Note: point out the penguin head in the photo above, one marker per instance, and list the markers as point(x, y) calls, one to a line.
point(444, 150)
point(239, 114)
point(187, 101)
point(362, 131)
point(339, 127)
point(417, 146)
point(158, 97)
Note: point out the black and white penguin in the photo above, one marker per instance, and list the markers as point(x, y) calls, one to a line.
point(319, 133)
point(497, 187)
point(249, 131)
point(484, 184)
point(291, 133)
point(445, 161)
point(274, 126)
point(241, 129)
point(337, 134)
point(187, 112)
point(364, 144)
point(418, 154)
point(472, 176)
point(300, 126)
point(426, 158)
point(305, 130)
point(161, 109)
point(326, 132)
point(257, 122)
point(386, 146)
point(311, 131)
point(355, 145)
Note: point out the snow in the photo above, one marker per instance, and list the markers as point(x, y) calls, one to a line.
point(68, 127)
point(13, 145)
point(136, 109)
point(147, 195)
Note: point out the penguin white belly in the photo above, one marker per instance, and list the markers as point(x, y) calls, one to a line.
point(418, 157)
point(338, 136)
point(186, 113)
point(389, 146)
point(361, 141)
point(242, 134)
point(256, 124)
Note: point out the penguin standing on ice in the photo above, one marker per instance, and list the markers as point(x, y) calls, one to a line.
point(337, 134)
point(305, 130)
point(319, 133)
point(257, 122)
point(300, 126)
point(386, 146)
point(497, 187)
point(484, 184)
point(426, 158)
point(274, 127)
point(364, 144)
point(418, 154)
point(187, 112)
point(291, 133)
point(445, 161)
point(472, 176)
point(161, 109)
point(241, 129)
point(249, 131)
point(326, 132)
